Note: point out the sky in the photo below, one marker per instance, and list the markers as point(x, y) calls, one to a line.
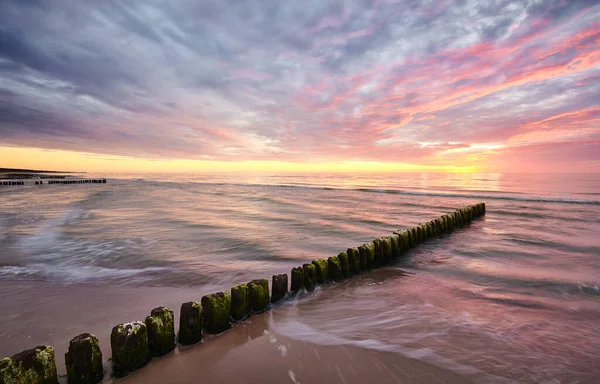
point(449, 85)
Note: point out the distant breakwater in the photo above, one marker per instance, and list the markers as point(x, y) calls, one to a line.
point(133, 344)
point(62, 182)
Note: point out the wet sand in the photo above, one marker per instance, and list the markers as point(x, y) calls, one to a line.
point(251, 352)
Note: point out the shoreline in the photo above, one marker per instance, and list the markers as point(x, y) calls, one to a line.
point(251, 349)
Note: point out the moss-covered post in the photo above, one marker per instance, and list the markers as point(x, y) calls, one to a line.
point(240, 303)
point(36, 365)
point(279, 287)
point(407, 234)
point(216, 312)
point(297, 283)
point(310, 276)
point(404, 240)
point(429, 230)
point(321, 269)
point(386, 248)
point(469, 212)
point(190, 323)
point(344, 264)
point(258, 291)
point(367, 255)
point(423, 230)
point(161, 331)
point(378, 252)
point(460, 217)
point(354, 261)
point(395, 239)
point(414, 234)
point(130, 347)
point(334, 268)
point(438, 226)
point(84, 360)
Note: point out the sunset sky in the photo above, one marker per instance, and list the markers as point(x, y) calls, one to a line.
point(458, 85)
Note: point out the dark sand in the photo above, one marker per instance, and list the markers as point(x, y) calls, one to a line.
point(34, 313)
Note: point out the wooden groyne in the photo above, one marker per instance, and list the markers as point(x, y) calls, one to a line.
point(78, 181)
point(62, 182)
point(134, 344)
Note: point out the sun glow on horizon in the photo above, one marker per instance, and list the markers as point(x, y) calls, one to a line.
point(70, 161)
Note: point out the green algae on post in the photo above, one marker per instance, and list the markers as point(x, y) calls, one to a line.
point(344, 264)
point(161, 331)
point(258, 292)
point(216, 312)
point(297, 283)
point(404, 240)
point(321, 269)
point(310, 276)
point(130, 349)
point(423, 231)
point(335, 268)
point(84, 360)
point(36, 365)
point(414, 237)
point(367, 255)
point(354, 262)
point(386, 248)
point(190, 323)
point(240, 302)
point(395, 239)
point(378, 254)
point(279, 287)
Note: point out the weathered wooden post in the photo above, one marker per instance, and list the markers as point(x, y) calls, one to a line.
point(310, 276)
point(161, 331)
point(279, 287)
point(344, 264)
point(216, 312)
point(321, 270)
point(334, 268)
point(240, 303)
point(36, 365)
point(258, 291)
point(297, 279)
point(84, 360)
point(190, 323)
point(354, 261)
point(130, 349)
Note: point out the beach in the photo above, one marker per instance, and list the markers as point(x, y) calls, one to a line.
point(513, 297)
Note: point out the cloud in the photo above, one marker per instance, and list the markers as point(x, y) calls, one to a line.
point(309, 81)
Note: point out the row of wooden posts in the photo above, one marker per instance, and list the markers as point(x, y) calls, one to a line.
point(82, 181)
point(134, 344)
point(41, 182)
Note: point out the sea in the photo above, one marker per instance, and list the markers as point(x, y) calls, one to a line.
point(513, 297)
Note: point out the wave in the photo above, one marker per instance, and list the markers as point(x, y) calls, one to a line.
point(78, 274)
point(510, 196)
point(298, 330)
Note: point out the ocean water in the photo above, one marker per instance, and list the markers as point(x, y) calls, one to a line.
point(514, 297)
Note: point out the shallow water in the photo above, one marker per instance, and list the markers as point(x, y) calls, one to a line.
point(513, 297)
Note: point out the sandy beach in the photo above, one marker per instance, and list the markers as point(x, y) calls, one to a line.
point(251, 352)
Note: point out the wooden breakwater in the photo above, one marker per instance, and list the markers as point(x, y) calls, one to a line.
point(77, 181)
point(134, 344)
point(62, 182)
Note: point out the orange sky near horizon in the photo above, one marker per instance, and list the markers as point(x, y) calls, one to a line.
point(55, 160)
